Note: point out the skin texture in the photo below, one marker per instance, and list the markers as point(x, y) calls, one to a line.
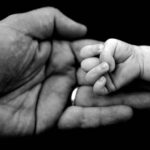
point(38, 75)
point(90, 117)
point(119, 64)
point(39, 68)
point(31, 69)
point(130, 95)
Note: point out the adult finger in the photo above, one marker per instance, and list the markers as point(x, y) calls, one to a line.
point(79, 44)
point(90, 51)
point(52, 100)
point(57, 87)
point(137, 99)
point(91, 117)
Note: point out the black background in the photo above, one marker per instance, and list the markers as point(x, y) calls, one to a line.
point(122, 20)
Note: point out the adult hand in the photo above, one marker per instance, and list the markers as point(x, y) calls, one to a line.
point(36, 72)
point(132, 95)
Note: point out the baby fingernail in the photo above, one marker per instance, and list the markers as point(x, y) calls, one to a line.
point(105, 66)
point(102, 79)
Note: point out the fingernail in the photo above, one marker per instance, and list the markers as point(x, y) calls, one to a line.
point(101, 46)
point(105, 66)
point(102, 79)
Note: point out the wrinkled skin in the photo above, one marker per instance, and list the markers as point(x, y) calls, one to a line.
point(35, 81)
point(38, 74)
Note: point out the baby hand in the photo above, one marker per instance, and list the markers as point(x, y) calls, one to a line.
point(118, 64)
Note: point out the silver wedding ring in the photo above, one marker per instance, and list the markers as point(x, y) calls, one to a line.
point(73, 96)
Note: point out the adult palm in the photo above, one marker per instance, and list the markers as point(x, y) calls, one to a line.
point(35, 71)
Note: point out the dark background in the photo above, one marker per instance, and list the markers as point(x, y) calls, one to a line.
point(122, 20)
point(105, 19)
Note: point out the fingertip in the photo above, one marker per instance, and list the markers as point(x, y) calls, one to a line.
point(105, 66)
point(68, 27)
point(84, 28)
point(90, 51)
point(80, 29)
point(99, 87)
point(89, 63)
point(94, 74)
point(83, 51)
point(102, 80)
point(109, 65)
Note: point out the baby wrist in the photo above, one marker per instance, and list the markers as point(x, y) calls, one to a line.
point(144, 62)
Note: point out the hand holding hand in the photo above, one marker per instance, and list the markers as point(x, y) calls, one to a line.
point(119, 63)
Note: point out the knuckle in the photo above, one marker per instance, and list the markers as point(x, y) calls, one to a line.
point(48, 11)
point(12, 17)
point(49, 8)
point(53, 10)
point(111, 41)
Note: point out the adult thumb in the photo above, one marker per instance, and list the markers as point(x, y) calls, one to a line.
point(42, 23)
